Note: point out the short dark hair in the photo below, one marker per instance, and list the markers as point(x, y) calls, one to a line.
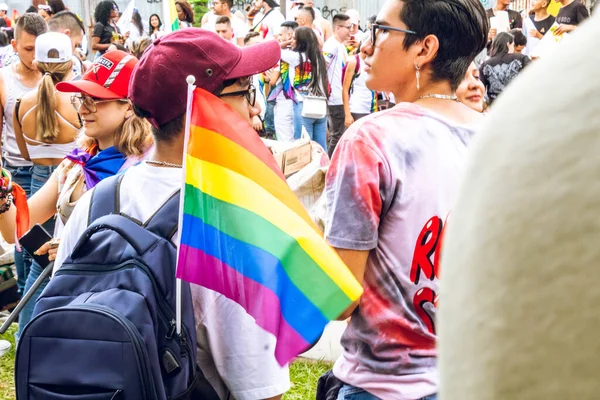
point(228, 2)
point(461, 27)
point(65, 20)
point(4, 39)
point(167, 132)
point(250, 36)
point(293, 25)
point(338, 19)
point(31, 9)
point(223, 19)
point(31, 23)
point(373, 18)
point(309, 10)
point(519, 37)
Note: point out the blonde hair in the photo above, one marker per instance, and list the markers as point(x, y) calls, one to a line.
point(138, 47)
point(132, 139)
point(47, 129)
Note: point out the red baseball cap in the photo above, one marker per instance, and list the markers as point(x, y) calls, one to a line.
point(159, 86)
point(108, 78)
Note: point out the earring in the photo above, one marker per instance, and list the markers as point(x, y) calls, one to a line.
point(418, 76)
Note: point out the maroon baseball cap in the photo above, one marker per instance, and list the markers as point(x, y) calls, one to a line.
point(158, 84)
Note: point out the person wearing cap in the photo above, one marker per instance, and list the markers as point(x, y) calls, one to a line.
point(111, 133)
point(4, 14)
point(69, 23)
point(235, 355)
point(16, 80)
point(268, 21)
point(46, 124)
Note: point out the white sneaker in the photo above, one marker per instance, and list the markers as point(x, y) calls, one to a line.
point(4, 347)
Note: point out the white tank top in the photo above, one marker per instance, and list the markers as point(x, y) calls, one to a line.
point(361, 99)
point(14, 90)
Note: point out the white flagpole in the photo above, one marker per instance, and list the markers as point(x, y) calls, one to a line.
point(191, 81)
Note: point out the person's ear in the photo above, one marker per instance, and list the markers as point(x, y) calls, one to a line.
point(14, 45)
point(427, 50)
point(67, 32)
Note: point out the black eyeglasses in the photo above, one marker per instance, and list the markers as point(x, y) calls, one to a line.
point(249, 93)
point(376, 27)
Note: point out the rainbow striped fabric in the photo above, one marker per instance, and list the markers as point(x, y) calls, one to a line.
point(245, 234)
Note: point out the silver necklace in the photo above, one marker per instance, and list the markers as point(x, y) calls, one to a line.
point(163, 164)
point(439, 96)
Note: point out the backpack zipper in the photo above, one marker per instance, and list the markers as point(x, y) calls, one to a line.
point(166, 313)
point(134, 334)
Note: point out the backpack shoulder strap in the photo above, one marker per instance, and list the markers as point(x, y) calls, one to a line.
point(165, 220)
point(105, 198)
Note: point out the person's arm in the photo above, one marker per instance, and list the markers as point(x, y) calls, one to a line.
point(348, 78)
point(356, 261)
point(19, 135)
point(564, 28)
point(2, 102)
point(204, 21)
point(326, 28)
point(42, 207)
point(96, 35)
point(355, 187)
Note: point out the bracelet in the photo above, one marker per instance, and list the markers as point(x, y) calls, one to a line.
point(6, 206)
point(5, 183)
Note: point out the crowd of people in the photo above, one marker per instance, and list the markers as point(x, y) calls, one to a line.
point(395, 100)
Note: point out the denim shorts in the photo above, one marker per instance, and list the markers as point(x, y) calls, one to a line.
point(348, 392)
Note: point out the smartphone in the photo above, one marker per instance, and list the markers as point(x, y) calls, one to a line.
point(33, 240)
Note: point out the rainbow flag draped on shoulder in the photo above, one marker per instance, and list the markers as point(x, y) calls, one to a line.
point(245, 235)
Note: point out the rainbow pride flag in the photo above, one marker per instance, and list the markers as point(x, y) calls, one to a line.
point(245, 234)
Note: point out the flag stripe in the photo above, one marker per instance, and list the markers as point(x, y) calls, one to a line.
point(294, 266)
point(217, 182)
point(257, 300)
point(211, 118)
point(260, 267)
point(217, 149)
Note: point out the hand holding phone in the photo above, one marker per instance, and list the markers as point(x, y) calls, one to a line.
point(35, 238)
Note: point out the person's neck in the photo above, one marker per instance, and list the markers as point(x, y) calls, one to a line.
point(106, 143)
point(410, 94)
point(501, 7)
point(541, 14)
point(169, 151)
point(267, 8)
point(27, 73)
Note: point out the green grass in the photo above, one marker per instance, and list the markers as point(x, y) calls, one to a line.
point(7, 364)
point(304, 374)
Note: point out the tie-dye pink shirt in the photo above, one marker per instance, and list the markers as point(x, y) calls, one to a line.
point(392, 182)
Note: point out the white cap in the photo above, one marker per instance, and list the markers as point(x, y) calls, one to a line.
point(53, 41)
point(3, 7)
point(354, 16)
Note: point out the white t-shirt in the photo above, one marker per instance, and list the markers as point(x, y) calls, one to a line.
point(233, 351)
point(335, 55)
point(269, 26)
point(239, 27)
point(361, 98)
